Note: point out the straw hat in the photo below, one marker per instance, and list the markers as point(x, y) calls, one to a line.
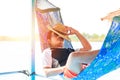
point(60, 30)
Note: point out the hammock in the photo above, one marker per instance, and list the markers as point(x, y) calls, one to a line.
point(108, 58)
point(45, 17)
point(48, 16)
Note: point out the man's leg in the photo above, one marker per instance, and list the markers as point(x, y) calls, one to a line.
point(75, 60)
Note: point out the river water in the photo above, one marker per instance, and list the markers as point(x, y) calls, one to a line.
point(16, 56)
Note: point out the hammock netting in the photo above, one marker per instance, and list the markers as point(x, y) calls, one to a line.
point(108, 58)
point(46, 17)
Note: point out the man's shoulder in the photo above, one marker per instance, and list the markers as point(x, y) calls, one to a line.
point(47, 51)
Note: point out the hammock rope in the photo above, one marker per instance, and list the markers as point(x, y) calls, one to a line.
point(108, 58)
point(49, 16)
point(26, 72)
point(106, 61)
point(33, 40)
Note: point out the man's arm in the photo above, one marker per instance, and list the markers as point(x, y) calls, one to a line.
point(53, 71)
point(85, 43)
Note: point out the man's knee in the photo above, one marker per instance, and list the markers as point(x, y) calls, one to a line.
point(74, 55)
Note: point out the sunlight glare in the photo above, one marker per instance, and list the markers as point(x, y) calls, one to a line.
point(15, 18)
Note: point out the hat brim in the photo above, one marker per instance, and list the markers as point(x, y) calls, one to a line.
point(61, 35)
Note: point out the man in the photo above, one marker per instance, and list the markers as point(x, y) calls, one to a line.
point(73, 66)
